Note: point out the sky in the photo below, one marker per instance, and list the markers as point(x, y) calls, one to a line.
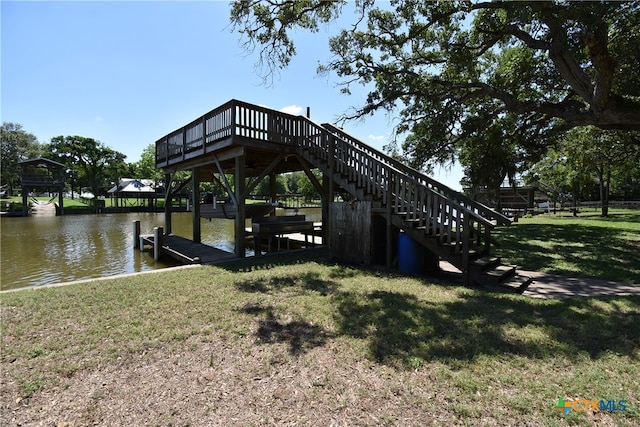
point(127, 73)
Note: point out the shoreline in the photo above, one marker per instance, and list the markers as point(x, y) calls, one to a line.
point(112, 277)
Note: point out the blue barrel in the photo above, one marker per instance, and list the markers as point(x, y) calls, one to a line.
point(410, 255)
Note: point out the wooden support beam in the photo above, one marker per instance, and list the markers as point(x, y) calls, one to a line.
point(136, 234)
point(389, 226)
point(273, 191)
point(168, 202)
point(225, 181)
point(25, 203)
point(314, 181)
point(180, 186)
point(61, 200)
point(240, 206)
point(262, 175)
point(195, 209)
point(157, 242)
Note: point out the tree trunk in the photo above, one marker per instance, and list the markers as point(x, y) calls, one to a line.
point(604, 196)
point(498, 197)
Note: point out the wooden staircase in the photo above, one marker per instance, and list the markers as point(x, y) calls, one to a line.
point(444, 221)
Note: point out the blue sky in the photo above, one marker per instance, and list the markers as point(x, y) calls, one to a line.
point(127, 73)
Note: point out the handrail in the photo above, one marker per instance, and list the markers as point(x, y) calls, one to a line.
point(430, 184)
point(437, 186)
point(449, 216)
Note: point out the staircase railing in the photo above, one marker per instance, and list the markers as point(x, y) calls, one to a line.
point(456, 221)
point(449, 193)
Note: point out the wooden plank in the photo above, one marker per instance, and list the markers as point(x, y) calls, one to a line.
point(187, 251)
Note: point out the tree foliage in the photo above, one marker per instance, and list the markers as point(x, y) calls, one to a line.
point(97, 166)
point(603, 153)
point(145, 168)
point(545, 66)
point(16, 145)
point(267, 23)
point(263, 189)
point(589, 164)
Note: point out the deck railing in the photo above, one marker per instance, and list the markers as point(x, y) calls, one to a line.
point(235, 119)
point(42, 180)
point(423, 203)
point(454, 219)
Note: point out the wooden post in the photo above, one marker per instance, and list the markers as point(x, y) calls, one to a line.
point(60, 200)
point(326, 208)
point(327, 183)
point(25, 202)
point(240, 208)
point(157, 242)
point(389, 229)
point(136, 234)
point(273, 190)
point(197, 234)
point(168, 201)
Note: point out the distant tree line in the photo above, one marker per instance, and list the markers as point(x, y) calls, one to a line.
point(93, 166)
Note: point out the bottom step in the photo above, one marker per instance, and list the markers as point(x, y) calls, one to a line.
point(516, 284)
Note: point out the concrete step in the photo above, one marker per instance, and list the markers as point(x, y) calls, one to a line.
point(495, 276)
point(516, 284)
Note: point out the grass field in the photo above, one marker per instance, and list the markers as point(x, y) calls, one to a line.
point(311, 343)
point(586, 246)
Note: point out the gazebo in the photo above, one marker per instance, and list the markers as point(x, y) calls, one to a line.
point(130, 188)
point(44, 175)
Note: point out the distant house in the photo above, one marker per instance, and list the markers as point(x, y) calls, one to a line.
point(131, 188)
point(514, 196)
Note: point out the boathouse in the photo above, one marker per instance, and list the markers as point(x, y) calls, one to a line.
point(42, 174)
point(371, 203)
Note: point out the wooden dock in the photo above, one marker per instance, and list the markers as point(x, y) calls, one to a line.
point(186, 251)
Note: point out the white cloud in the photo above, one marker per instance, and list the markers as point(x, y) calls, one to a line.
point(292, 109)
point(376, 137)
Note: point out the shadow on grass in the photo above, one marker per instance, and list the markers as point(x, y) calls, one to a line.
point(570, 249)
point(309, 281)
point(299, 335)
point(401, 329)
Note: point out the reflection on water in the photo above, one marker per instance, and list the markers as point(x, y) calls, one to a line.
point(38, 250)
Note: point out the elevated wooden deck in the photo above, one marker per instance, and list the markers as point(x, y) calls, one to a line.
point(248, 141)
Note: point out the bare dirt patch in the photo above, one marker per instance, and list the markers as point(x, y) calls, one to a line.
point(232, 383)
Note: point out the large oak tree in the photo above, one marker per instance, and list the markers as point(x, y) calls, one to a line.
point(545, 66)
point(97, 166)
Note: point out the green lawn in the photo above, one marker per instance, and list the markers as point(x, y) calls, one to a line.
point(335, 340)
point(77, 203)
point(586, 246)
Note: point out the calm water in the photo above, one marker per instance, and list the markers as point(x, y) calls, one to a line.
point(37, 250)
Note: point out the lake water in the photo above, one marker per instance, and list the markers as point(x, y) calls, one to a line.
point(38, 250)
